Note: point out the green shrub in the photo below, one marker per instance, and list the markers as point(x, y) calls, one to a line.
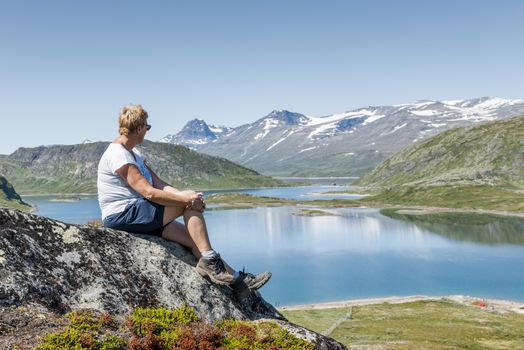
point(88, 330)
point(164, 329)
point(87, 319)
point(261, 335)
point(157, 320)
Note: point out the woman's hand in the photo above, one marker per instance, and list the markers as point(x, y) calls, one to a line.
point(198, 205)
point(190, 195)
point(195, 200)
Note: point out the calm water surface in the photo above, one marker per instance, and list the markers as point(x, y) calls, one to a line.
point(85, 209)
point(358, 253)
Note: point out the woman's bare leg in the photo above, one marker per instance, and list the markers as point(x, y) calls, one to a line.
point(192, 235)
point(177, 232)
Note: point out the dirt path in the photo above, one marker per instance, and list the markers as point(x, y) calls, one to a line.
point(488, 304)
point(338, 322)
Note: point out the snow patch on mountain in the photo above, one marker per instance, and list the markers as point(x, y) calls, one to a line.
point(396, 128)
point(279, 141)
point(261, 135)
point(425, 113)
point(307, 149)
point(452, 102)
point(197, 141)
point(438, 125)
point(371, 115)
point(329, 119)
point(373, 118)
point(322, 130)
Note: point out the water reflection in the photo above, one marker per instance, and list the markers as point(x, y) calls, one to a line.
point(470, 227)
point(358, 253)
point(361, 253)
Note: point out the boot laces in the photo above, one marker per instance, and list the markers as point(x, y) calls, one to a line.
point(218, 265)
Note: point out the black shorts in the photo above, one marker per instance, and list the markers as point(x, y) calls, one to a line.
point(142, 216)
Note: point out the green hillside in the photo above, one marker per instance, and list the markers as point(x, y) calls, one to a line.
point(73, 168)
point(9, 197)
point(475, 167)
point(442, 323)
point(491, 153)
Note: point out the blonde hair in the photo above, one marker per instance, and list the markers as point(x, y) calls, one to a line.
point(131, 117)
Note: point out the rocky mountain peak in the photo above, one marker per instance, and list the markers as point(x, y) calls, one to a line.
point(62, 267)
point(287, 117)
point(196, 128)
point(196, 132)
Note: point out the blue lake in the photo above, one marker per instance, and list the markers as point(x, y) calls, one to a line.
point(357, 253)
point(85, 209)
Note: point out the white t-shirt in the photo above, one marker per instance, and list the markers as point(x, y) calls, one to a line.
point(114, 193)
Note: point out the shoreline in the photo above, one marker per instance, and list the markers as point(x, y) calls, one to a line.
point(497, 305)
point(432, 210)
point(58, 194)
point(342, 204)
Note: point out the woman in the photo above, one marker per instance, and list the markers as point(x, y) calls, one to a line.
point(134, 199)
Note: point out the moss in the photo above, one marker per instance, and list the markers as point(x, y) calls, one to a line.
point(164, 329)
point(88, 319)
point(261, 335)
point(72, 338)
point(158, 320)
point(89, 329)
point(112, 342)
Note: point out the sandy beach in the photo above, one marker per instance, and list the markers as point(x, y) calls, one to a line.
point(496, 305)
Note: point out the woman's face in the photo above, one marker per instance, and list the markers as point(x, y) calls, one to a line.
point(142, 130)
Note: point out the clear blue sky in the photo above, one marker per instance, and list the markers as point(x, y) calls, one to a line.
point(66, 67)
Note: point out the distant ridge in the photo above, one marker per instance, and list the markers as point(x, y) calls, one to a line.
point(73, 168)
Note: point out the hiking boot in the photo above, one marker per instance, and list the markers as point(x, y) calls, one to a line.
point(250, 281)
point(214, 269)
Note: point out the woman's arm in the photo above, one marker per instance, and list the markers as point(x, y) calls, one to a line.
point(132, 176)
point(158, 182)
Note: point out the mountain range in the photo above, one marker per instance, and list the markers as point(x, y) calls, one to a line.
point(351, 143)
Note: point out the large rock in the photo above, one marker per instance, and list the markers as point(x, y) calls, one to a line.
point(63, 267)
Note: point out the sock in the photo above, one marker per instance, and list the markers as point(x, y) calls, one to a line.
point(208, 254)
